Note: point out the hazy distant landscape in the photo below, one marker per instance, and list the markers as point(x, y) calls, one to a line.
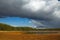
point(8, 32)
point(6, 27)
point(28, 30)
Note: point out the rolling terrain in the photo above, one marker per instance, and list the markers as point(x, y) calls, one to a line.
point(8, 32)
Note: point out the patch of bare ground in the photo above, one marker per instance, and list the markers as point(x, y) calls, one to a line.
point(22, 36)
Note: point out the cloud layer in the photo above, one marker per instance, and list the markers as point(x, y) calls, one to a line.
point(48, 14)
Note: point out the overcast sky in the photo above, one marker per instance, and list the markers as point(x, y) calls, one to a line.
point(42, 13)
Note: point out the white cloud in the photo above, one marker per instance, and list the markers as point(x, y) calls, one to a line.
point(34, 5)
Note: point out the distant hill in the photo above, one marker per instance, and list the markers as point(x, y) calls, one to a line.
point(5, 27)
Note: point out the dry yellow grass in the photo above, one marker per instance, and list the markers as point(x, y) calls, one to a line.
point(22, 36)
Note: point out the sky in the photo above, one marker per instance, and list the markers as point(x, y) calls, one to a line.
point(16, 21)
point(40, 13)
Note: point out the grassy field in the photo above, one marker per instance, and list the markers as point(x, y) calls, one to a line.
point(23, 36)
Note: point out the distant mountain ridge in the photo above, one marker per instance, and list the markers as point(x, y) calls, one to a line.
point(6, 27)
point(12, 28)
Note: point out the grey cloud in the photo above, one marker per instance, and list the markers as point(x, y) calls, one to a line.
point(45, 16)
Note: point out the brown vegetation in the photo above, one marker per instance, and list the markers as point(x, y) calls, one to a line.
point(23, 36)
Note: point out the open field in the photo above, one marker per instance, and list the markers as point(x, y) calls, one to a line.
point(16, 35)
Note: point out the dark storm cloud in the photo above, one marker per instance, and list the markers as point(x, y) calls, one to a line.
point(45, 16)
point(14, 8)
